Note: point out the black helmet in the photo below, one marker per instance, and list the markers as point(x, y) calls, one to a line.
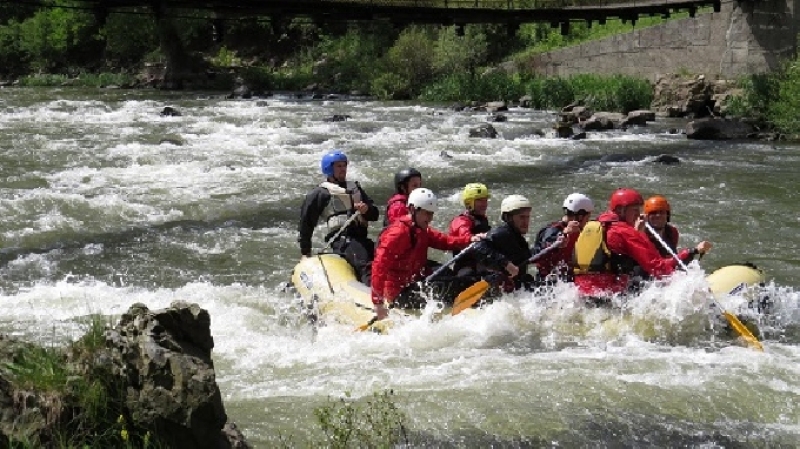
point(402, 177)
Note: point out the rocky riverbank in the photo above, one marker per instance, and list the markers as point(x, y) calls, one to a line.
point(148, 381)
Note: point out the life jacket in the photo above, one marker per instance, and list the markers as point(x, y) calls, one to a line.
point(557, 227)
point(591, 254)
point(340, 207)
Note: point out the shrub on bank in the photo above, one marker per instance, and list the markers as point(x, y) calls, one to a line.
point(771, 98)
point(606, 93)
point(782, 112)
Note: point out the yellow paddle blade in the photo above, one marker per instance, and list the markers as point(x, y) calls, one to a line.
point(469, 296)
point(366, 326)
point(743, 331)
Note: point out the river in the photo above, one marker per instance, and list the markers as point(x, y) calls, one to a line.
point(97, 214)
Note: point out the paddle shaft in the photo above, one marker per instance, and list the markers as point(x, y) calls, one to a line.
point(344, 226)
point(735, 322)
point(450, 262)
point(438, 271)
point(547, 250)
point(666, 247)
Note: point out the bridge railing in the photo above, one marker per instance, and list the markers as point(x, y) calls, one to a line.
point(501, 4)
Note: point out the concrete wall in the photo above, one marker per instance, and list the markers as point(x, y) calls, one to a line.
point(745, 37)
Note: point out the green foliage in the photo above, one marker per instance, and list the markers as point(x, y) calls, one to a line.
point(226, 58)
point(128, 37)
point(411, 59)
point(38, 368)
point(606, 93)
point(52, 34)
point(612, 93)
point(81, 80)
point(378, 422)
point(454, 54)
point(81, 400)
point(464, 87)
point(782, 112)
point(389, 86)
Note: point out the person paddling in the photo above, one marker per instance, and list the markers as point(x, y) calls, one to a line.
point(337, 200)
point(505, 248)
point(405, 181)
point(612, 251)
point(659, 213)
point(578, 209)
point(402, 253)
point(472, 221)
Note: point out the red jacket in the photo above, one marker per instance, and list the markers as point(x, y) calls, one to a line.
point(396, 208)
point(461, 225)
point(400, 260)
point(623, 240)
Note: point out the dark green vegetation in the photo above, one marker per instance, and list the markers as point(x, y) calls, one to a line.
point(66, 398)
point(772, 99)
point(374, 422)
point(68, 46)
point(65, 45)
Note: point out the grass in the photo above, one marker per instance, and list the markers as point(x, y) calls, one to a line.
point(69, 397)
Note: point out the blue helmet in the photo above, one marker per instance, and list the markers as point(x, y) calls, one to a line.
point(329, 158)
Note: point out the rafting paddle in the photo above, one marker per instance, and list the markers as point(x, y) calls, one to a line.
point(475, 292)
point(735, 323)
point(344, 226)
point(474, 289)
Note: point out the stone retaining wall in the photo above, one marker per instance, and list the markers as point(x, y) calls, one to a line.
point(745, 37)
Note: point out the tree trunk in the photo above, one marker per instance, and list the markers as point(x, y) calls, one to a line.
point(178, 64)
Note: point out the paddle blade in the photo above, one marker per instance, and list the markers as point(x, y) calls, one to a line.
point(469, 296)
point(366, 326)
point(743, 331)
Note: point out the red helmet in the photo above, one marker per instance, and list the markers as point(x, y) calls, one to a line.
point(625, 197)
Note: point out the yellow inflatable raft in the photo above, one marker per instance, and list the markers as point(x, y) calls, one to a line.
point(329, 289)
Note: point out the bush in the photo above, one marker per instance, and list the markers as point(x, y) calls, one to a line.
point(783, 107)
point(454, 54)
point(411, 59)
point(376, 423)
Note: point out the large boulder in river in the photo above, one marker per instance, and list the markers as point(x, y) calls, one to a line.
point(715, 128)
point(165, 358)
point(485, 131)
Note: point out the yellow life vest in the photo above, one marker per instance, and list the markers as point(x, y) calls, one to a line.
point(591, 255)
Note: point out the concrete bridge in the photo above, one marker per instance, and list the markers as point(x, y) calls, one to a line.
point(739, 37)
point(445, 12)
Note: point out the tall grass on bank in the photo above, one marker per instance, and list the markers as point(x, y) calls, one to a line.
point(602, 93)
point(71, 392)
point(82, 80)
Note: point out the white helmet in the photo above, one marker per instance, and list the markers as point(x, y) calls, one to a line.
point(578, 201)
point(512, 203)
point(422, 198)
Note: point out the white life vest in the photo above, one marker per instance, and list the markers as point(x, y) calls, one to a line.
point(340, 207)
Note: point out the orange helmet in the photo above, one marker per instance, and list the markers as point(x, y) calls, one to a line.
point(657, 204)
point(624, 197)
